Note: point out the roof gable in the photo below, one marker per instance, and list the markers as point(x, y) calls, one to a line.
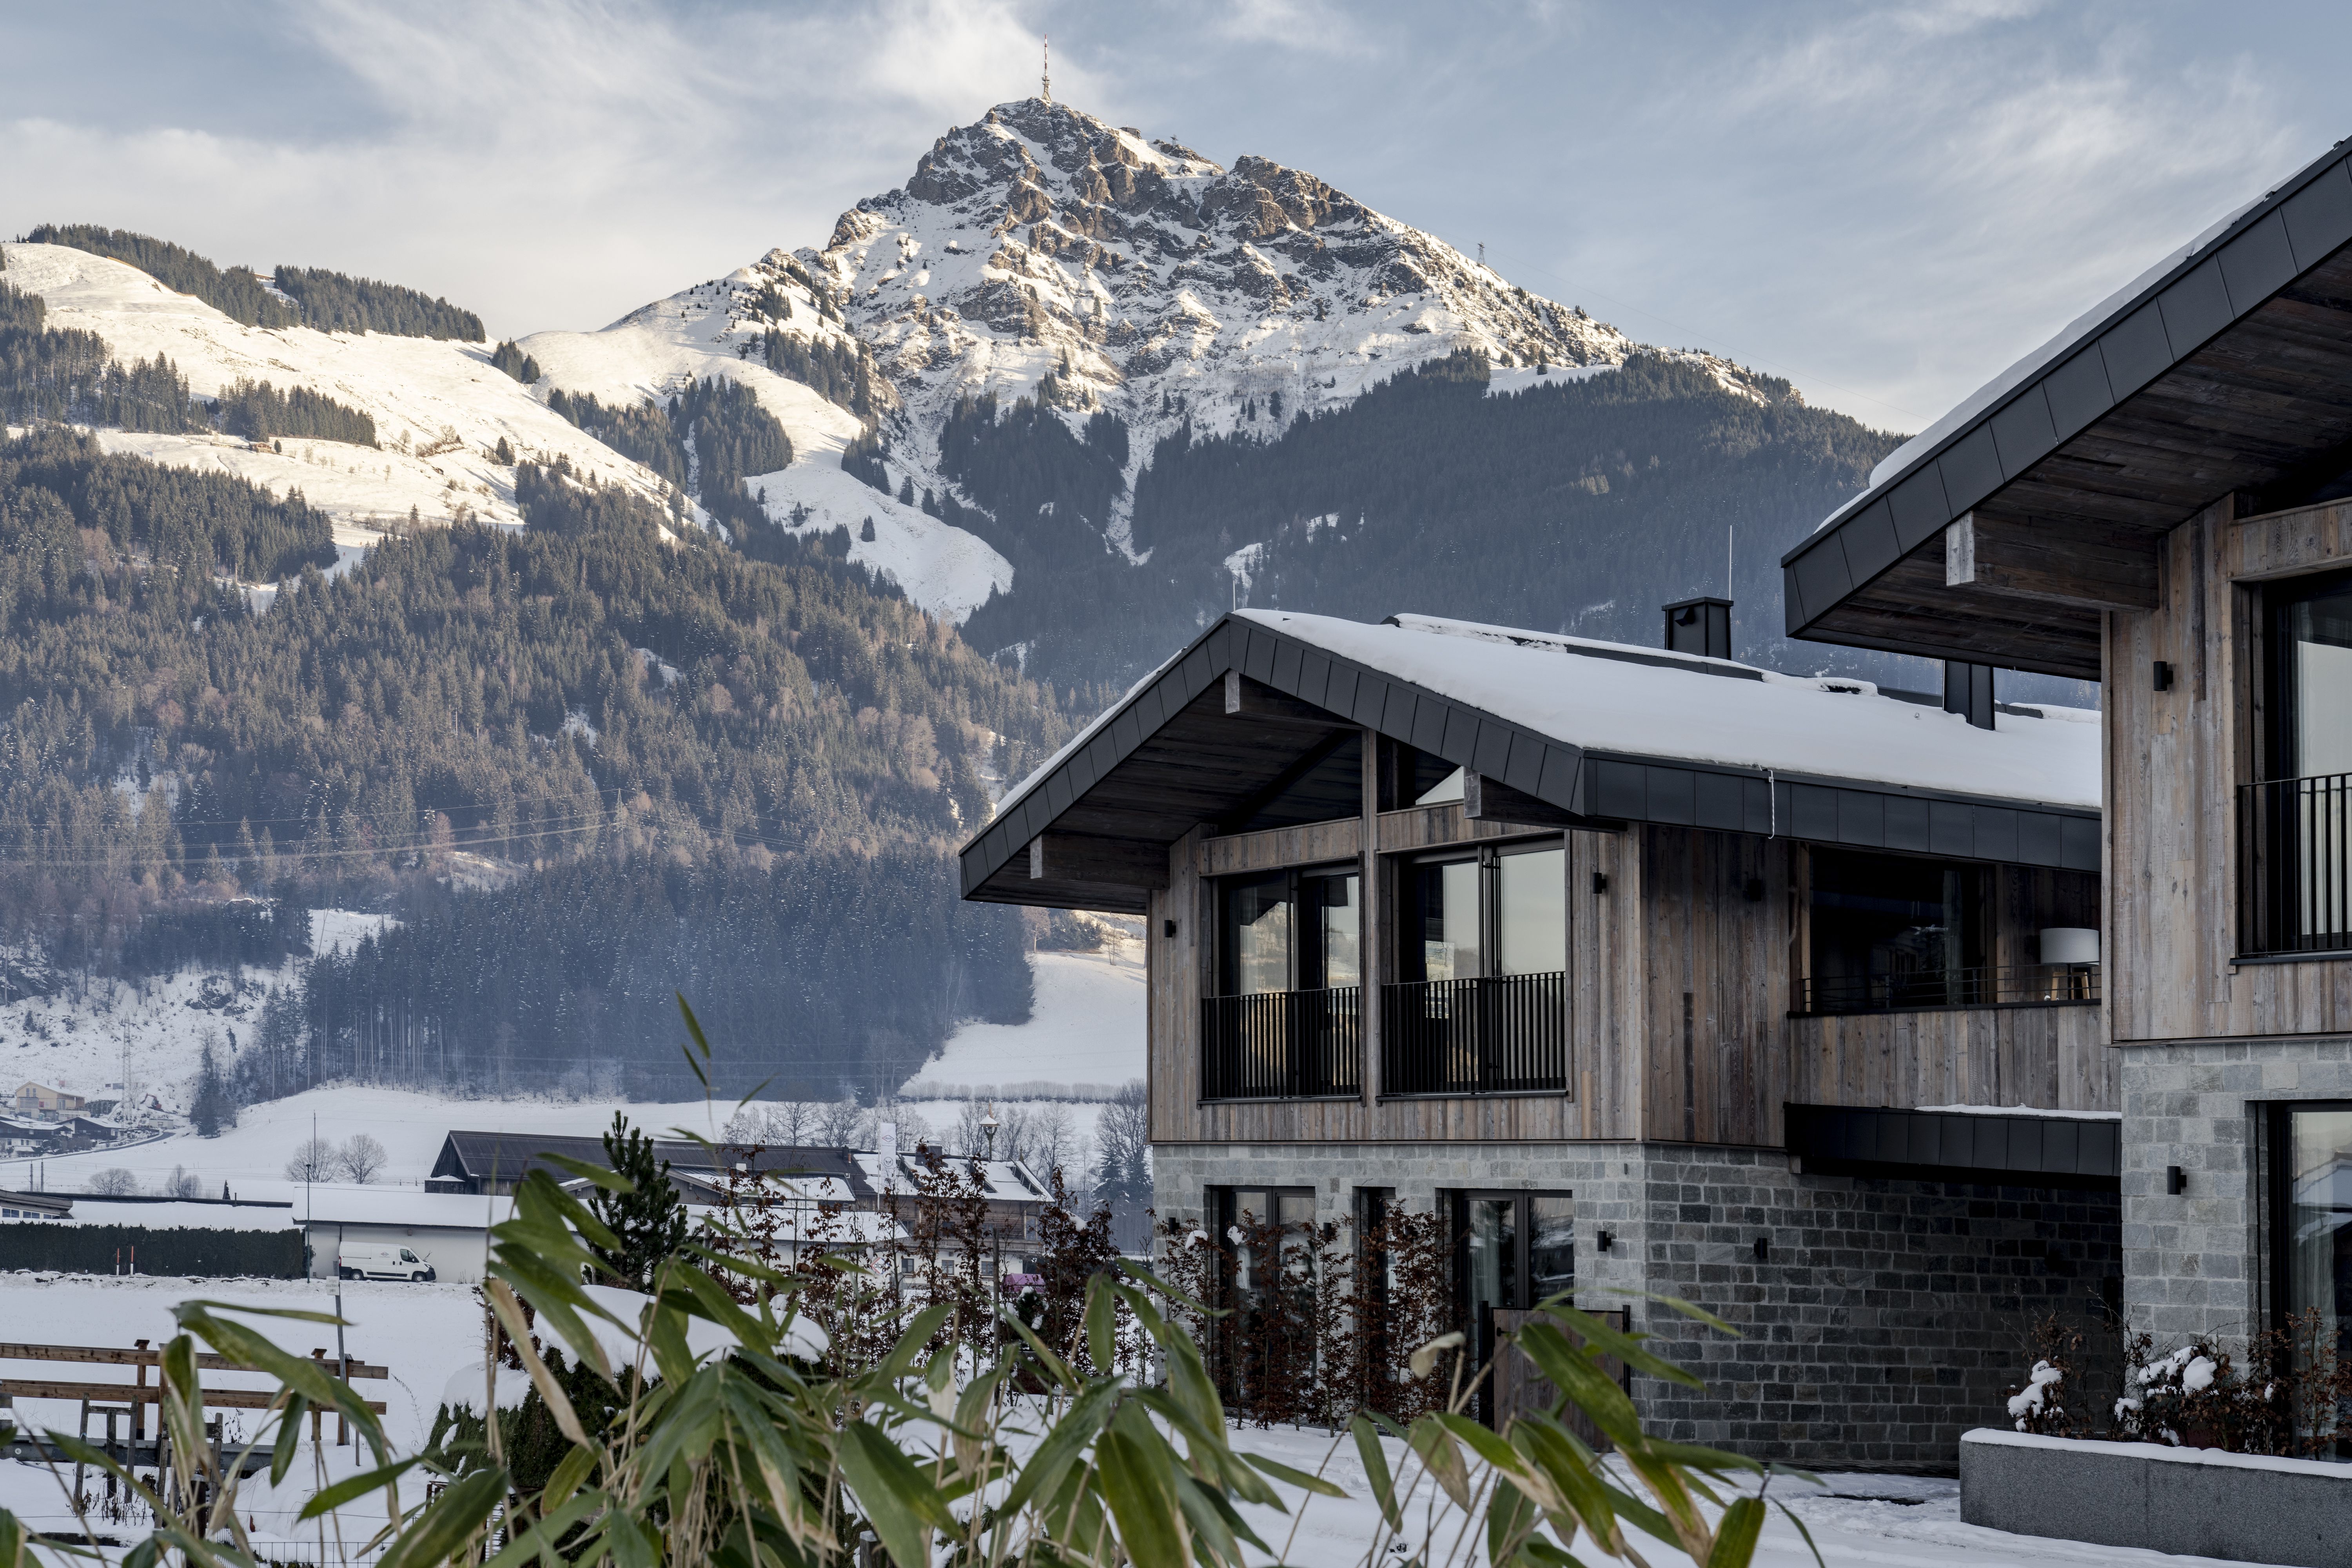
point(2003, 532)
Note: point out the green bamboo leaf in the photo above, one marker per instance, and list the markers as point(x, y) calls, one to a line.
point(539, 1540)
point(288, 1444)
point(1150, 1521)
point(358, 1486)
point(1627, 1348)
point(1300, 1478)
point(898, 1501)
point(1062, 1447)
point(442, 1531)
point(604, 1176)
point(1102, 1325)
point(1423, 1361)
point(1790, 1515)
point(1376, 1468)
point(702, 1297)
point(13, 1538)
point(693, 1028)
point(1736, 1536)
point(1510, 1520)
point(1442, 1460)
point(570, 1471)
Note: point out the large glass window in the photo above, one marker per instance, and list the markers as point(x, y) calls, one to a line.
point(1503, 911)
point(1291, 930)
point(2314, 664)
point(1531, 904)
point(2312, 1222)
point(1257, 935)
point(1891, 931)
point(1551, 1247)
point(2295, 826)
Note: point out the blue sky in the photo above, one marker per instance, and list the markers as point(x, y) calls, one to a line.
point(1885, 203)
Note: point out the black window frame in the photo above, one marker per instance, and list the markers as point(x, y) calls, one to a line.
point(2276, 706)
point(1408, 963)
point(1222, 957)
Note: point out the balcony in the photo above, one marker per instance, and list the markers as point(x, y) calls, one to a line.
point(1282, 1045)
point(2294, 865)
point(1503, 1035)
point(2020, 985)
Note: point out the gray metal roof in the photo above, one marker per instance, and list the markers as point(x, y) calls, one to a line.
point(2226, 370)
point(1169, 756)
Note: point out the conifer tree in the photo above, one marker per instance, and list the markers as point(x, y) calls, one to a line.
point(650, 1221)
point(210, 1109)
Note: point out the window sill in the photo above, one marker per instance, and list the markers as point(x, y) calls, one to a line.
point(2329, 955)
point(1957, 1007)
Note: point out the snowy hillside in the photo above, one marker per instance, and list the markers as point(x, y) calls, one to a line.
point(87, 1036)
point(720, 328)
point(440, 408)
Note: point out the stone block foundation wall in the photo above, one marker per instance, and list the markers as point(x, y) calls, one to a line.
point(1884, 1319)
point(2193, 1261)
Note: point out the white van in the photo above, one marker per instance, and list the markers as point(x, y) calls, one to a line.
point(358, 1260)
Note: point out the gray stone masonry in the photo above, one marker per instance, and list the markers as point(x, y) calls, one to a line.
point(1885, 1319)
point(2193, 1262)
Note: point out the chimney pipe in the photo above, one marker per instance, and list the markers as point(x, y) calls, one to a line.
point(1968, 692)
point(1701, 626)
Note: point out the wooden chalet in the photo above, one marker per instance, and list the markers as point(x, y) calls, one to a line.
point(2160, 498)
point(1624, 960)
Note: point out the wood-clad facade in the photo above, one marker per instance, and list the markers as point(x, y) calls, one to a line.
point(2172, 490)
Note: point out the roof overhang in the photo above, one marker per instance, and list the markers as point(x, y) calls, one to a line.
point(1231, 718)
point(2029, 1150)
point(2005, 541)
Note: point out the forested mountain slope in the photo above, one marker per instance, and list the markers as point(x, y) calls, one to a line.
point(671, 766)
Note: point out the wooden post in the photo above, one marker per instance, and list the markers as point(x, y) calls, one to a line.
point(139, 1400)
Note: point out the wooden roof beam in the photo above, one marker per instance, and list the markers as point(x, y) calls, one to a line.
point(1082, 858)
point(1492, 800)
point(1247, 699)
point(2058, 561)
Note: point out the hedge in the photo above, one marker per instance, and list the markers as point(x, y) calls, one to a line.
point(105, 1248)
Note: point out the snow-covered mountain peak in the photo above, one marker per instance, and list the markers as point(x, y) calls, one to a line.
point(1147, 279)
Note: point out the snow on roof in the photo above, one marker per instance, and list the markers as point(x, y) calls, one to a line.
point(166, 1214)
point(1006, 1180)
point(1645, 702)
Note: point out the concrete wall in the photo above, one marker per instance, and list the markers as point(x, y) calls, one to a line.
point(455, 1252)
point(1885, 1319)
point(2193, 1263)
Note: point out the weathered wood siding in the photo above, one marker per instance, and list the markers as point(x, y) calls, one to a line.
point(2174, 762)
point(1717, 973)
point(2055, 1058)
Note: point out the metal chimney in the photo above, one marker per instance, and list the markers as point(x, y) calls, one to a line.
point(1701, 626)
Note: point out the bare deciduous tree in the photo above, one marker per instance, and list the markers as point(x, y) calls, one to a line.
point(183, 1182)
point(361, 1158)
point(114, 1182)
point(313, 1160)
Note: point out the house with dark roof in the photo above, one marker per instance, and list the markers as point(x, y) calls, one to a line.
point(1648, 969)
point(2156, 498)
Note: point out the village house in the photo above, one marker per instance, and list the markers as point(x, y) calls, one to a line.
point(1648, 969)
point(40, 1102)
point(2155, 500)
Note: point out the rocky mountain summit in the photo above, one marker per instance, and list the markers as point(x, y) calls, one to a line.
point(1138, 273)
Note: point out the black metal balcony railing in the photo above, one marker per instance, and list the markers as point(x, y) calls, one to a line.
point(1276, 1045)
point(1504, 1035)
point(2294, 865)
point(2022, 984)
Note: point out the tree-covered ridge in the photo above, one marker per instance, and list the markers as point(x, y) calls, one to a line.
point(511, 360)
point(1568, 507)
point(332, 302)
point(259, 412)
point(67, 375)
point(529, 699)
point(838, 373)
point(235, 292)
point(704, 442)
